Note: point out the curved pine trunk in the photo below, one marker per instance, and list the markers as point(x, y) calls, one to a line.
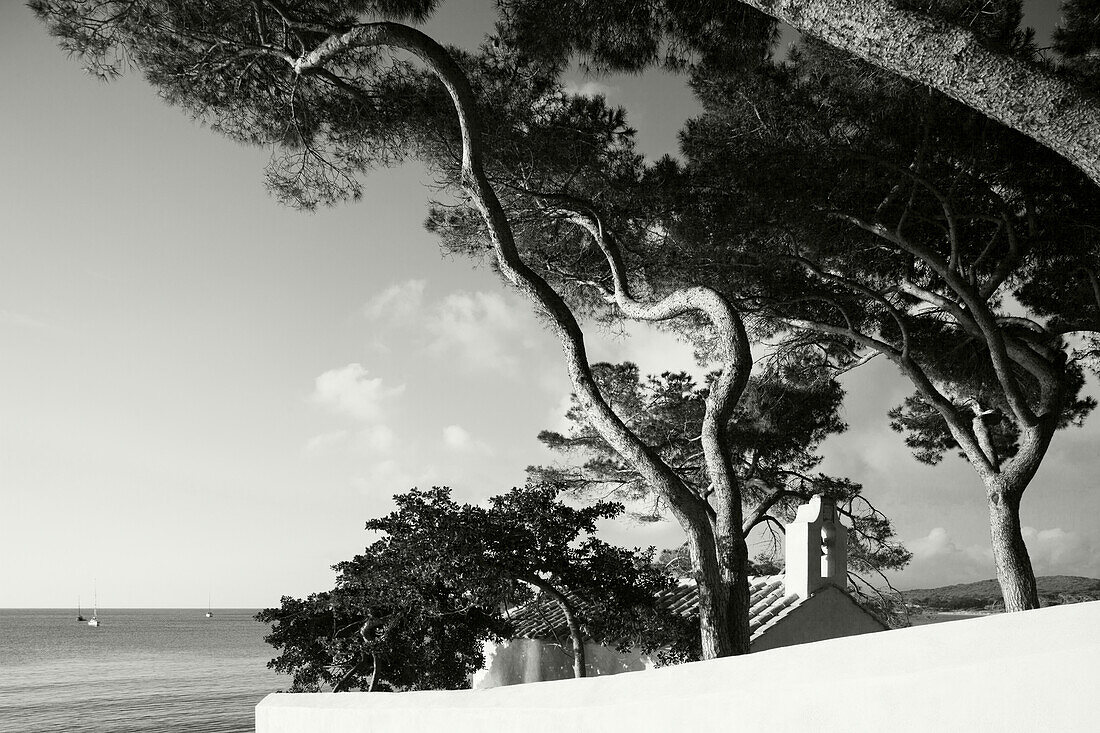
point(686, 506)
point(1014, 571)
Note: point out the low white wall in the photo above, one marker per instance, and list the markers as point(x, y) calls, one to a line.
point(1031, 671)
point(523, 661)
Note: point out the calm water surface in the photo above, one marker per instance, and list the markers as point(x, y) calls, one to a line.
point(170, 670)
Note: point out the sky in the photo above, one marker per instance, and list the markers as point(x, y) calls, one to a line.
point(204, 394)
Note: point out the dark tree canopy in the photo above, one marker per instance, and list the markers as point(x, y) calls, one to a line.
point(404, 615)
point(895, 222)
point(973, 51)
point(1077, 39)
point(415, 608)
point(890, 220)
point(882, 234)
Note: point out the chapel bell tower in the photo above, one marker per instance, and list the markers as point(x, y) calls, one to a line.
point(816, 549)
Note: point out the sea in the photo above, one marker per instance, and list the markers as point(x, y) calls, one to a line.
point(164, 670)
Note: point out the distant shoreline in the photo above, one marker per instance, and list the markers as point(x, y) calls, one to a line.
point(941, 617)
point(68, 609)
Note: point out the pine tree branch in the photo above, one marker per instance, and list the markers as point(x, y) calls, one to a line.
point(1021, 95)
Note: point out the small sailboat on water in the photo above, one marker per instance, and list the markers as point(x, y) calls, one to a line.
point(209, 611)
point(79, 615)
point(94, 620)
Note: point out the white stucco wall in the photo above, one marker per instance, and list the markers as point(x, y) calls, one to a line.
point(1033, 671)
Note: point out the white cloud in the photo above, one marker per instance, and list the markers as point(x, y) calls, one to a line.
point(378, 438)
point(591, 88)
point(939, 560)
point(349, 390)
point(872, 452)
point(459, 439)
point(1058, 552)
point(555, 419)
point(482, 330)
point(320, 443)
point(938, 544)
point(456, 436)
point(399, 302)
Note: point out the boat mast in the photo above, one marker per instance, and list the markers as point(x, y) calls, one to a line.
point(94, 620)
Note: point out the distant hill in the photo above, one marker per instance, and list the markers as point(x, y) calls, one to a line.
point(986, 594)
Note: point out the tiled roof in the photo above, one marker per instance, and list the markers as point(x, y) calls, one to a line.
point(767, 604)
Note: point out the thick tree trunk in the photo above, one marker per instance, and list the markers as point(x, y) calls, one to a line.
point(737, 587)
point(1004, 493)
point(1020, 95)
point(718, 547)
point(721, 573)
point(714, 599)
point(1014, 571)
point(1005, 484)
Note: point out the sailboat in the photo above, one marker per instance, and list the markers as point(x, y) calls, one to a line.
point(209, 611)
point(79, 615)
point(94, 620)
